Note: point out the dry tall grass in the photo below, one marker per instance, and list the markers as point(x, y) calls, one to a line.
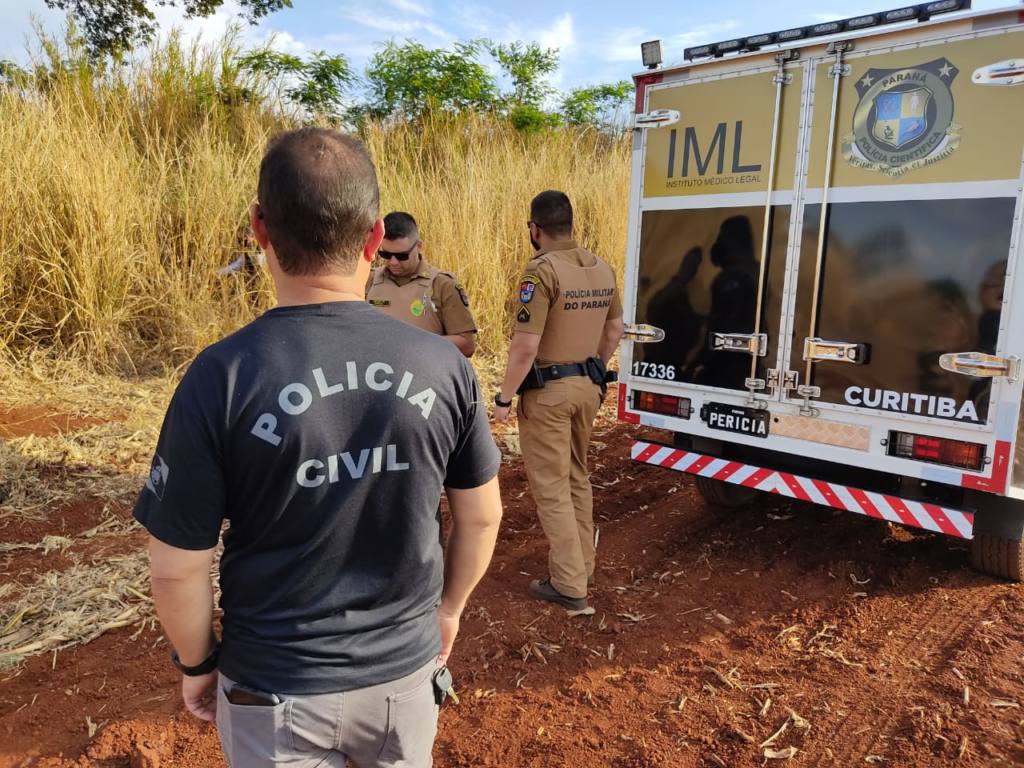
point(123, 191)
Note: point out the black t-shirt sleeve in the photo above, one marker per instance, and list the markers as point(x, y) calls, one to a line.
point(183, 500)
point(476, 458)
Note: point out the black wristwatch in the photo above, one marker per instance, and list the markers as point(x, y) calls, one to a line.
point(205, 667)
point(501, 403)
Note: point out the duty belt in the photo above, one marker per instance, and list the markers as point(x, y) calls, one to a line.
point(565, 371)
point(539, 376)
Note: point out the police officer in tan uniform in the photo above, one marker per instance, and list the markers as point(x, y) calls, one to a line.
point(409, 289)
point(568, 322)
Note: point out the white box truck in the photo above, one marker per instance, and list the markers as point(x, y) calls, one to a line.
point(822, 291)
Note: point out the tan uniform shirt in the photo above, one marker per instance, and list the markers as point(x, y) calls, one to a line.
point(430, 299)
point(565, 296)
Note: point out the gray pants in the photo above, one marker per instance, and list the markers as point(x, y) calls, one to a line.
point(389, 725)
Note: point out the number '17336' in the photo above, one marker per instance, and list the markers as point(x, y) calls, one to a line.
point(654, 370)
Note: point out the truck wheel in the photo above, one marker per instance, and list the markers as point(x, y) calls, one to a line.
point(998, 556)
point(727, 495)
point(998, 545)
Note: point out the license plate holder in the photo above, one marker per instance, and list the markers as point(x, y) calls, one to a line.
point(736, 418)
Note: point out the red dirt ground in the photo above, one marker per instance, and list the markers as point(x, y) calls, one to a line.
point(710, 630)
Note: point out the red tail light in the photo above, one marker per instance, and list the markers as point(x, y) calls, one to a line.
point(666, 404)
point(937, 450)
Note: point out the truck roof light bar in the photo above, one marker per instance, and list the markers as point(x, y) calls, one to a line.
point(728, 46)
point(920, 12)
point(791, 34)
point(754, 42)
point(901, 14)
point(863, 22)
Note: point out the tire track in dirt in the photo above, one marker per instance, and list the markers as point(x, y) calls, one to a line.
point(924, 635)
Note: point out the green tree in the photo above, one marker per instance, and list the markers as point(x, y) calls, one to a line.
point(115, 26)
point(408, 79)
point(318, 85)
point(527, 66)
point(597, 105)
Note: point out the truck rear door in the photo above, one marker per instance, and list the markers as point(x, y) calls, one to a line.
point(714, 222)
point(907, 224)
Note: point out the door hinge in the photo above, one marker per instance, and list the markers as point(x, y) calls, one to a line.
point(750, 343)
point(981, 365)
point(643, 334)
point(820, 350)
point(659, 118)
point(785, 381)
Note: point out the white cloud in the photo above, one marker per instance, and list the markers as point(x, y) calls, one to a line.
point(208, 29)
point(397, 27)
point(560, 35)
point(625, 45)
point(411, 6)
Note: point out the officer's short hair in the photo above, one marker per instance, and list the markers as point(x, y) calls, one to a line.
point(399, 224)
point(552, 212)
point(318, 198)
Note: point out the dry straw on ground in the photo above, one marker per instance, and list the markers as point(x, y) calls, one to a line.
point(104, 462)
point(66, 608)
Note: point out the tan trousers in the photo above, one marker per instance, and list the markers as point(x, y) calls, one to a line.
point(554, 432)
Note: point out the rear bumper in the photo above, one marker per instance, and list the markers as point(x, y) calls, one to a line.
point(917, 514)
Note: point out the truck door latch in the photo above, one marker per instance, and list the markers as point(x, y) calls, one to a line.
point(820, 351)
point(750, 343)
point(980, 364)
point(643, 334)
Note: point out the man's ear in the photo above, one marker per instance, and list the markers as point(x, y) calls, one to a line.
point(374, 240)
point(258, 226)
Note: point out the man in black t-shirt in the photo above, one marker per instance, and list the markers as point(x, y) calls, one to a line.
point(323, 433)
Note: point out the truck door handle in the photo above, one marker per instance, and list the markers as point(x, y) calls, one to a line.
point(980, 364)
point(659, 118)
point(748, 343)
point(822, 351)
point(643, 334)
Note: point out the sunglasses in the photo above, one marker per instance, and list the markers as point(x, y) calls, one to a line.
point(397, 255)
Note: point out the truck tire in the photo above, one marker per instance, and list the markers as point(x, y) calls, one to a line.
point(724, 495)
point(998, 556)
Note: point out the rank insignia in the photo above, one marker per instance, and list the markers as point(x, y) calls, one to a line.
point(524, 315)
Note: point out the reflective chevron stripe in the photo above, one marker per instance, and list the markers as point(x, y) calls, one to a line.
point(918, 514)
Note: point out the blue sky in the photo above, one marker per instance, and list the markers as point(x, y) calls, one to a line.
point(598, 40)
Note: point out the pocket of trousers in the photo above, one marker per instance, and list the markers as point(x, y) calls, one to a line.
point(412, 724)
point(256, 735)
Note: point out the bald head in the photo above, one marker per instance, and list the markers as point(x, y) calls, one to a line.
point(319, 199)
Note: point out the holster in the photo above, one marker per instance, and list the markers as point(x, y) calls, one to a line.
point(599, 374)
point(534, 380)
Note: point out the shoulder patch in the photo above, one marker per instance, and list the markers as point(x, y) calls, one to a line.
point(524, 315)
point(462, 294)
point(527, 288)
